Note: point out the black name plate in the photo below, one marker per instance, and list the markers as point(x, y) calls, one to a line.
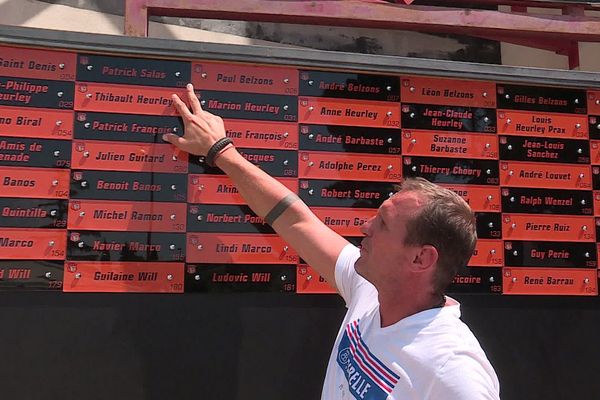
point(536, 98)
point(594, 125)
point(450, 170)
point(33, 213)
point(31, 275)
point(225, 219)
point(36, 93)
point(23, 152)
point(267, 107)
point(355, 194)
point(596, 177)
point(477, 280)
point(350, 139)
point(125, 246)
point(544, 149)
point(283, 163)
point(349, 86)
point(240, 278)
point(449, 118)
point(550, 254)
point(125, 127)
point(547, 201)
point(133, 71)
point(131, 186)
point(489, 225)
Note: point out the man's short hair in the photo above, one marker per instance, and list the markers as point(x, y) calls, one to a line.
point(446, 222)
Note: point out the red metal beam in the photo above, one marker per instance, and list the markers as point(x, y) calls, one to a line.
point(573, 55)
point(536, 3)
point(573, 49)
point(136, 18)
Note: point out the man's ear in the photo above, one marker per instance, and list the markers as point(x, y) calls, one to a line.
point(425, 258)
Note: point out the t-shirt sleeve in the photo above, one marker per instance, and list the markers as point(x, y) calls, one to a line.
point(346, 278)
point(464, 377)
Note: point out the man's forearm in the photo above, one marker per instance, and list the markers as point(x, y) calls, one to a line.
point(316, 243)
point(261, 191)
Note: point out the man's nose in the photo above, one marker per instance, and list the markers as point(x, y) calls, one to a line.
point(364, 228)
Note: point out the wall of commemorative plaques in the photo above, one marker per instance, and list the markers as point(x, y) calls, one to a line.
point(92, 200)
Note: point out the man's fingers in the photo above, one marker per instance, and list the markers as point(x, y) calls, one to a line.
point(176, 140)
point(194, 102)
point(181, 107)
point(170, 137)
point(187, 115)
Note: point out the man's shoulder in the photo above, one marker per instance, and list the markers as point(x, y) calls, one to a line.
point(464, 369)
point(450, 333)
point(436, 334)
point(466, 375)
point(351, 286)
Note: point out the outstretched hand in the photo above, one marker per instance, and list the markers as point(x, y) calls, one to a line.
point(202, 129)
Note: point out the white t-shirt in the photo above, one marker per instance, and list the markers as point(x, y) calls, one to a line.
point(431, 355)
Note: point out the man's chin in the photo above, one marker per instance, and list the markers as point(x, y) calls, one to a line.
point(360, 267)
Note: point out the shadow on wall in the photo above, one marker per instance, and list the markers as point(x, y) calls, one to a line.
point(61, 16)
point(116, 7)
point(22, 12)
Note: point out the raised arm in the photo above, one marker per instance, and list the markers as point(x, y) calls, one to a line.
point(316, 243)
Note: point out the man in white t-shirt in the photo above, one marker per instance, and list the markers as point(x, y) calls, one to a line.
point(401, 337)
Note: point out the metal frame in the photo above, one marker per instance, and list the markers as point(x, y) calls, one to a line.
point(177, 49)
point(559, 33)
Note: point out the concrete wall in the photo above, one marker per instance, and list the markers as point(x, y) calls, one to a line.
point(106, 17)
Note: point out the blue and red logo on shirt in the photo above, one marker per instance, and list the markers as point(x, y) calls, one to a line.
point(368, 378)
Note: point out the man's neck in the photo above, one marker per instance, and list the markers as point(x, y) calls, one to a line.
point(393, 310)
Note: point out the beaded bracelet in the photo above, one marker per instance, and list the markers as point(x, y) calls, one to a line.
point(216, 149)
